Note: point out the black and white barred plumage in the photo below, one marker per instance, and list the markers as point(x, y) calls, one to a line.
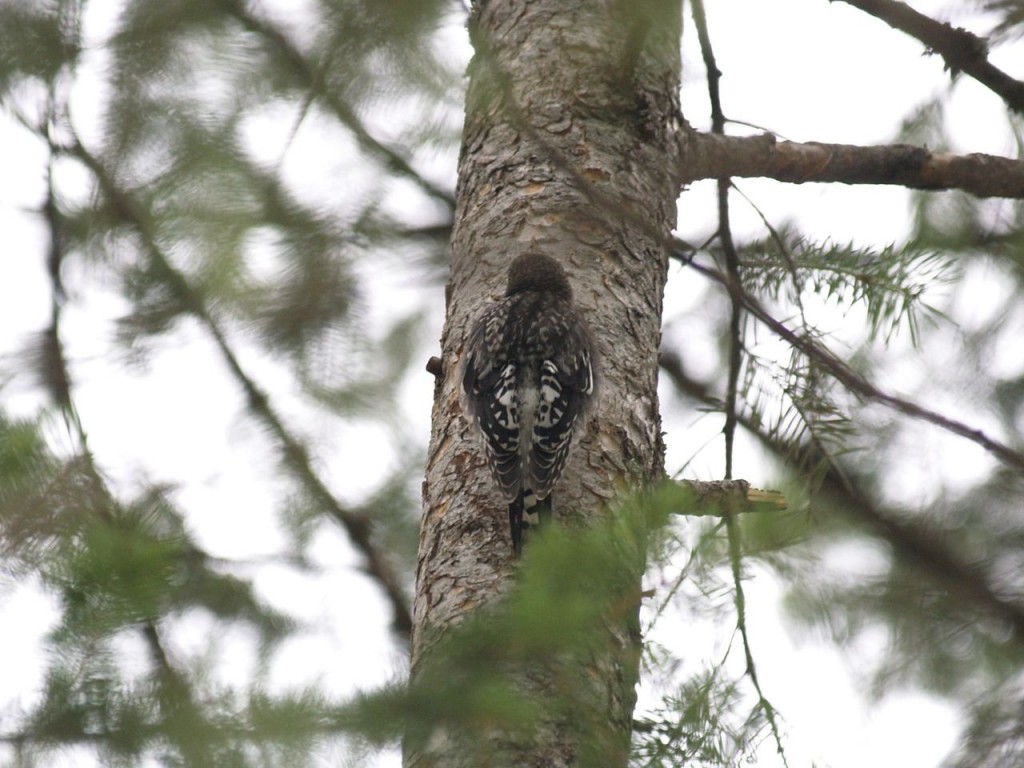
point(527, 377)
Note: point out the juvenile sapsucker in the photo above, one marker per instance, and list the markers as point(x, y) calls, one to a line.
point(527, 378)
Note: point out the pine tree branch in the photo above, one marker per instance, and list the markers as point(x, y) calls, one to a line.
point(856, 383)
point(310, 79)
point(908, 539)
point(295, 455)
point(174, 688)
point(709, 156)
point(961, 50)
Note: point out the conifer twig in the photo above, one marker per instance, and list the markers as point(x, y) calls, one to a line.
point(933, 556)
point(856, 383)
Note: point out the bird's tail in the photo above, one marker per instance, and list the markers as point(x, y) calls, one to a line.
point(525, 512)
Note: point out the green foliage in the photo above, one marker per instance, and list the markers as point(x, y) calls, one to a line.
point(176, 197)
point(240, 173)
point(571, 586)
point(37, 39)
point(887, 286)
point(571, 589)
point(693, 728)
point(115, 569)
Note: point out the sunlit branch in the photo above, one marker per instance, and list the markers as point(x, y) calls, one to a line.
point(345, 114)
point(294, 453)
point(908, 539)
point(962, 51)
point(709, 156)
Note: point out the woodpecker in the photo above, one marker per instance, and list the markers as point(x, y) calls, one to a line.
point(527, 380)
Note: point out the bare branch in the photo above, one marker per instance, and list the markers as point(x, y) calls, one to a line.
point(732, 259)
point(962, 51)
point(708, 156)
point(723, 498)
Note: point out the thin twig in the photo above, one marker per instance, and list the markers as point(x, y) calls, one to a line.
point(732, 260)
point(684, 572)
point(732, 264)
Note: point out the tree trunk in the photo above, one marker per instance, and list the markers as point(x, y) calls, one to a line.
point(568, 149)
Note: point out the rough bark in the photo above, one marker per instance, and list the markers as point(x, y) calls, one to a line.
point(569, 148)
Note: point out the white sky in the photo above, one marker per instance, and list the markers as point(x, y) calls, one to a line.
point(807, 69)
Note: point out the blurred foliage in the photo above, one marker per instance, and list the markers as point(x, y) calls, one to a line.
point(1010, 14)
point(693, 728)
point(260, 176)
point(246, 172)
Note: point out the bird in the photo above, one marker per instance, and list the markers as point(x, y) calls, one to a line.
point(527, 383)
